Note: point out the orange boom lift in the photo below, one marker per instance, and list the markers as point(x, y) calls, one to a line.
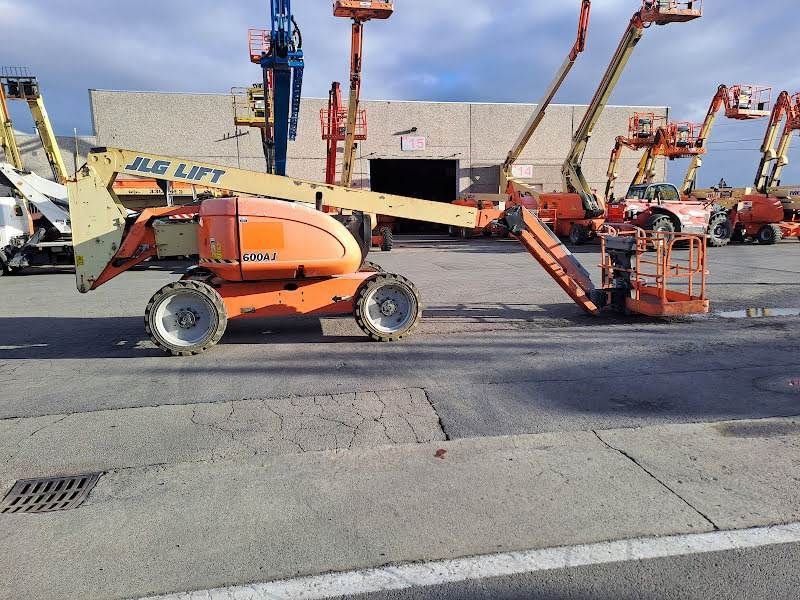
point(347, 122)
point(771, 212)
point(278, 254)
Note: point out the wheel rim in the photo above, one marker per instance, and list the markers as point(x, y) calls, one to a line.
point(185, 319)
point(722, 231)
point(390, 308)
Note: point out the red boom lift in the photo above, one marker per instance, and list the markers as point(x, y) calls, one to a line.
point(772, 213)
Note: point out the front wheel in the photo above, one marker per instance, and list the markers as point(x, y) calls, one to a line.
point(186, 318)
point(720, 232)
point(661, 224)
point(387, 307)
point(769, 234)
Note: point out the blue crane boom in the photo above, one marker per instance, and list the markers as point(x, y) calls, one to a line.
point(284, 59)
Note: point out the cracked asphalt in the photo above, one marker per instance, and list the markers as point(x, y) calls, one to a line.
point(501, 351)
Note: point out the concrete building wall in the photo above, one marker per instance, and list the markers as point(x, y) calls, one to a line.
point(200, 126)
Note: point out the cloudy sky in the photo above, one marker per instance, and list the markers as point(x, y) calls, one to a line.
point(483, 50)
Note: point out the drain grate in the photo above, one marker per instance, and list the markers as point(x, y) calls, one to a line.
point(48, 494)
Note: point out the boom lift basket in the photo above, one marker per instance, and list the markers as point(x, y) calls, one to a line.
point(642, 128)
point(260, 43)
point(363, 10)
point(662, 12)
point(665, 273)
point(336, 128)
point(746, 102)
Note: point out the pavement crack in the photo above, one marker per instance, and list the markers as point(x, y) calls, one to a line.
point(438, 416)
point(652, 475)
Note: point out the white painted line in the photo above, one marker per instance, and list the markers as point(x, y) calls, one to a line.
point(496, 565)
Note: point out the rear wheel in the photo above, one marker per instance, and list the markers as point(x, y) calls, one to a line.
point(387, 307)
point(769, 234)
point(186, 318)
point(388, 240)
point(720, 232)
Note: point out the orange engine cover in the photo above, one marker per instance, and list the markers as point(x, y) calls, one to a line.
point(568, 206)
point(758, 210)
point(257, 239)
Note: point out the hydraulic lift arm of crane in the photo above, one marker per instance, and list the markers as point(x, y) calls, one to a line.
point(661, 12)
point(7, 139)
point(741, 102)
point(781, 111)
point(18, 84)
point(541, 108)
point(782, 158)
point(360, 12)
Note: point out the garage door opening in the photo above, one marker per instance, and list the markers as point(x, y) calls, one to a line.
point(435, 180)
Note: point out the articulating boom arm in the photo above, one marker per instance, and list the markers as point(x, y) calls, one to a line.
point(659, 13)
point(741, 102)
point(539, 113)
point(782, 158)
point(284, 59)
point(18, 84)
point(7, 139)
point(359, 12)
point(782, 110)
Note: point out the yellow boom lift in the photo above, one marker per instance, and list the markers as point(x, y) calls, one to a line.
point(34, 217)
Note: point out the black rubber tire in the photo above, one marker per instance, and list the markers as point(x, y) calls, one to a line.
point(371, 267)
point(218, 325)
point(769, 235)
point(720, 232)
point(367, 288)
point(661, 223)
point(578, 235)
point(452, 231)
point(388, 240)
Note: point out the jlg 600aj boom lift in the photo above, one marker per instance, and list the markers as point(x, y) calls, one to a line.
point(579, 213)
point(275, 256)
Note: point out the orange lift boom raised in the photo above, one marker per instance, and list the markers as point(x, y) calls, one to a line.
point(741, 102)
point(359, 11)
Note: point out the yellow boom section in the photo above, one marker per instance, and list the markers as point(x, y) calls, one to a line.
point(7, 139)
